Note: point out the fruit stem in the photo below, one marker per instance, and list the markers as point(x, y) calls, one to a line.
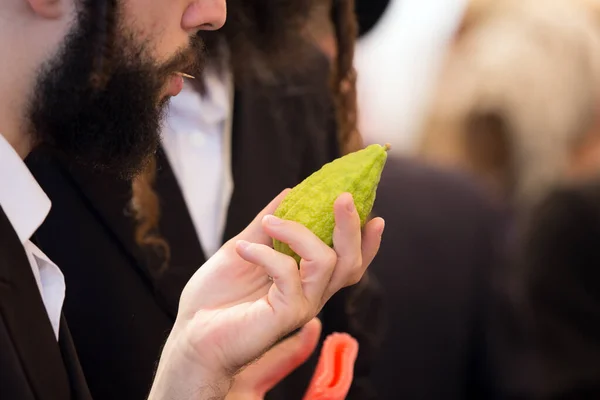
point(387, 146)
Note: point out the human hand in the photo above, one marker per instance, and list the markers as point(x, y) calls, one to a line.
point(231, 311)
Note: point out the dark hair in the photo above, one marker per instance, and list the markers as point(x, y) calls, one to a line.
point(343, 18)
point(145, 206)
point(104, 15)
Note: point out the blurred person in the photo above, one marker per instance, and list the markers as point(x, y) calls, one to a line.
point(87, 69)
point(517, 100)
point(554, 347)
point(518, 106)
point(435, 268)
point(259, 117)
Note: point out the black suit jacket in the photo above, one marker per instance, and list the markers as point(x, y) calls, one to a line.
point(33, 365)
point(119, 312)
point(435, 266)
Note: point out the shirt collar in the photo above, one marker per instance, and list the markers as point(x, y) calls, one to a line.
point(21, 198)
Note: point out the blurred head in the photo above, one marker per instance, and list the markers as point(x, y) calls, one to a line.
point(518, 98)
point(261, 39)
point(90, 78)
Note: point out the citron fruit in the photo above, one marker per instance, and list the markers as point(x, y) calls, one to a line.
point(311, 201)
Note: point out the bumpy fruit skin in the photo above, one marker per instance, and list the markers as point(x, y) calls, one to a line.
point(311, 202)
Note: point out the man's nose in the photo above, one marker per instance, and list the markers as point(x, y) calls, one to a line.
point(204, 15)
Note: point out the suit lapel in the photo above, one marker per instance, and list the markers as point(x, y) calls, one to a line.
point(175, 225)
point(79, 386)
point(25, 316)
point(109, 198)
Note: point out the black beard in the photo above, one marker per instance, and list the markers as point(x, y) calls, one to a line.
point(115, 129)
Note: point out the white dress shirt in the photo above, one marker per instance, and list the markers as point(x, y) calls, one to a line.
point(26, 206)
point(196, 137)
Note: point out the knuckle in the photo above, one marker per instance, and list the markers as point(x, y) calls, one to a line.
point(308, 310)
point(290, 264)
point(330, 258)
point(301, 313)
point(355, 278)
point(358, 262)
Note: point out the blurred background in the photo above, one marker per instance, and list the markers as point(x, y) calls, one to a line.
point(398, 55)
point(491, 195)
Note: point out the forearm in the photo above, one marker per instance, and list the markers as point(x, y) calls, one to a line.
point(180, 378)
point(187, 385)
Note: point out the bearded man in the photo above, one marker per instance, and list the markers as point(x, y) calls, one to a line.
point(258, 118)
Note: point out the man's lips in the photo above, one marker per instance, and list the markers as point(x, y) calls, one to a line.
point(174, 84)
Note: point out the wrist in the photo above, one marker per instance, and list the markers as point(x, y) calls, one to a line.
point(181, 375)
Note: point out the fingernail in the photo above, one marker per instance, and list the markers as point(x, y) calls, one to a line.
point(273, 220)
point(243, 245)
point(382, 228)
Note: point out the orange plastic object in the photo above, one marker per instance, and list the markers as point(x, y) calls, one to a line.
point(335, 370)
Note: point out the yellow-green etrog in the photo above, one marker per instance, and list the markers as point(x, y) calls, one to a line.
point(311, 201)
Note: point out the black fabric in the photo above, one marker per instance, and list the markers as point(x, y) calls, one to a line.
point(118, 310)
point(32, 364)
point(435, 266)
point(553, 294)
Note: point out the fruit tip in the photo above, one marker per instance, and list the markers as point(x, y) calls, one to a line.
point(387, 146)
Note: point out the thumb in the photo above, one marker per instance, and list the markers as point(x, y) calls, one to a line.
point(285, 357)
